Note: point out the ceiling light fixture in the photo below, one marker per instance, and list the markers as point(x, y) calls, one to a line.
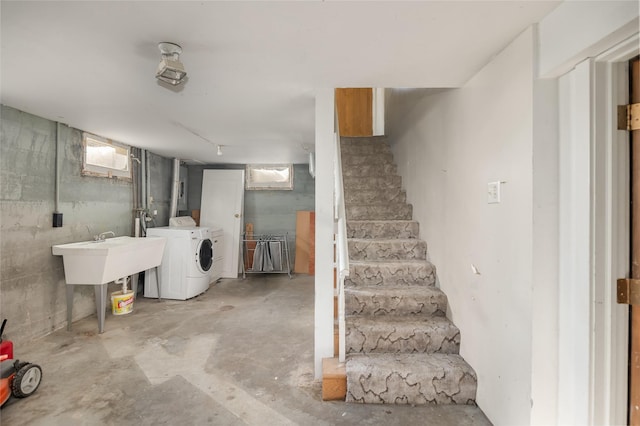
point(170, 69)
point(219, 149)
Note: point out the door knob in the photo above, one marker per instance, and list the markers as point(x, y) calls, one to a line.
point(236, 215)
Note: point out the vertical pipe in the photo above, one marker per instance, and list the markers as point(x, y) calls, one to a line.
point(143, 178)
point(175, 188)
point(148, 181)
point(135, 175)
point(135, 185)
point(136, 227)
point(58, 159)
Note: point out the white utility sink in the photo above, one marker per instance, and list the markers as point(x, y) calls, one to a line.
point(92, 262)
point(97, 263)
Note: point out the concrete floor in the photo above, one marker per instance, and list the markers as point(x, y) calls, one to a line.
point(242, 353)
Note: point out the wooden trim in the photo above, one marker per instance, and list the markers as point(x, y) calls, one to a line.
point(334, 380)
point(305, 242)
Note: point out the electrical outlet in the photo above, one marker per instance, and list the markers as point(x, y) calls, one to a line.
point(493, 192)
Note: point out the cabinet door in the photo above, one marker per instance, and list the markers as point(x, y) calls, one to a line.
point(222, 206)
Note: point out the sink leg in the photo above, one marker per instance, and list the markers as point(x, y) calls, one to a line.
point(69, 305)
point(134, 285)
point(101, 305)
point(158, 282)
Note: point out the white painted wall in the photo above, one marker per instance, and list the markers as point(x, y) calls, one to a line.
point(568, 333)
point(579, 29)
point(448, 146)
point(544, 320)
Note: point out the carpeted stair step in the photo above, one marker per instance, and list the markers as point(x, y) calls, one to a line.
point(401, 335)
point(363, 140)
point(357, 160)
point(376, 170)
point(391, 273)
point(388, 211)
point(364, 149)
point(409, 301)
point(414, 379)
point(387, 229)
point(388, 249)
point(364, 145)
point(376, 196)
point(371, 183)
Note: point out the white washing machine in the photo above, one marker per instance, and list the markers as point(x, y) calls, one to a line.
point(187, 264)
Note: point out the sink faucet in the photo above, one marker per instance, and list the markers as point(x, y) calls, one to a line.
point(103, 236)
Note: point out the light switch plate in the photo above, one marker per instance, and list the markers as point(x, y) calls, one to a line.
point(493, 192)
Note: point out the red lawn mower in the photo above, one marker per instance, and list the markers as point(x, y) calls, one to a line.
point(19, 379)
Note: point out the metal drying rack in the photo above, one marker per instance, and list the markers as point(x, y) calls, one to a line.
point(265, 254)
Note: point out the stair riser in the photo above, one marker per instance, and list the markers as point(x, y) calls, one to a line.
point(353, 184)
point(372, 250)
point(446, 381)
point(407, 305)
point(382, 229)
point(368, 149)
point(370, 170)
point(375, 274)
point(385, 337)
point(380, 212)
point(356, 160)
point(376, 197)
point(363, 140)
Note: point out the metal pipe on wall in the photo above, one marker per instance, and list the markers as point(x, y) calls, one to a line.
point(147, 178)
point(143, 178)
point(58, 159)
point(135, 178)
point(175, 188)
point(143, 194)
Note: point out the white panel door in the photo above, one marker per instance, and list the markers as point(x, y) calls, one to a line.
point(222, 205)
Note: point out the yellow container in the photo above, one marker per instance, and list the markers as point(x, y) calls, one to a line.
point(121, 303)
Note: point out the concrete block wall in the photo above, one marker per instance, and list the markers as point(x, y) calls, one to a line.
point(271, 212)
point(32, 286)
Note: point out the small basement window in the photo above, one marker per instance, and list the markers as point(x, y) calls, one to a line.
point(272, 176)
point(105, 158)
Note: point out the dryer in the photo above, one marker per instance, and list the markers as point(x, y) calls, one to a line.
point(187, 264)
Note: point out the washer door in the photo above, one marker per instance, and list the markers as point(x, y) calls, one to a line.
point(205, 255)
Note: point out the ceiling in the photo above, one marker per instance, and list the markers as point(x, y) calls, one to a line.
point(253, 67)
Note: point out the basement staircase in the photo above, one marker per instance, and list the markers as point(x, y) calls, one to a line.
point(401, 349)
